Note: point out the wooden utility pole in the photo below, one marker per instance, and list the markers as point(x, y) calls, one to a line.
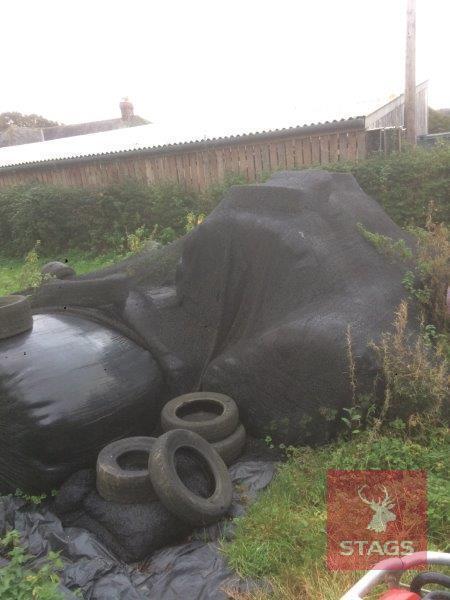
point(410, 73)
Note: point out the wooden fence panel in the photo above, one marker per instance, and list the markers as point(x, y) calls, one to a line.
point(187, 171)
point(220, 164)
point(242, 161)
point(226, 153)
point(290, 154)
point(281, 156)
point(351, 146)
point(343, 152)
point(210, 162)
point(273, 156)
point(307, 151)
point(234, 151)
point(361, 145)
point(324, 150)
point(251, 168)
point(259, 169)
point(315, 150)
point(265, 155)
point(298, 152)
point(333, 146)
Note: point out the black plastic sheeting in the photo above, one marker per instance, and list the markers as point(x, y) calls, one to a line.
point(256, 302)
point(68, 387)
point(194, 570)
point(281, 272)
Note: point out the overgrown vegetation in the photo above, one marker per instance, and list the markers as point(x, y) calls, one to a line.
point(30, 274)
point(415, 377)
point(282, 538)
point(405, 183)
point(430, 278)
point(19, 582)
point(438, 121)
point(386, 245)
point(100, 220)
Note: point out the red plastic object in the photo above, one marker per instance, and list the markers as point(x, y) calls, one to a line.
point(399, 594)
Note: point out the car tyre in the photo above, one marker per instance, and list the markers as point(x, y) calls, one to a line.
point(122, 471)
point(230, 448)
point(212, 416)
point(15, 315)
point(172, 491)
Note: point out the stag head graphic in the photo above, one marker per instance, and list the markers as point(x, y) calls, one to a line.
point(381, 508)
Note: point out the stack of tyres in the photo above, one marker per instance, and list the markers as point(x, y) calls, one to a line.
point(213, 416)
point(202, 435)
point(144, 469)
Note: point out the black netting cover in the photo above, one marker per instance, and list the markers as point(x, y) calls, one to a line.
point(255, 303)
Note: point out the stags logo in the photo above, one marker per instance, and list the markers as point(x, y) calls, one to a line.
point(382, 510)
point(374, 515)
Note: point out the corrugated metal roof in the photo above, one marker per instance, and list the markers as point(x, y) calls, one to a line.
point(151, 138)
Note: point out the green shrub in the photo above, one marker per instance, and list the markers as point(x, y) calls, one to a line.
point(211, 197)
point(386, 245)
point(100, 220)
point(17, 582)
point(88, 220)
point(429, 275)
point(438, 122)
point(416, 378)
point(30, 276)
point(406, 182)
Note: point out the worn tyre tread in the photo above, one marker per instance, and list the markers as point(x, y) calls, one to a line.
point(212, 430)
point(172, 492)
point(120, 485)
point(15, 315)
point(230, 448)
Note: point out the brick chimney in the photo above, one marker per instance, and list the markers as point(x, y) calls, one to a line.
point(127, 109)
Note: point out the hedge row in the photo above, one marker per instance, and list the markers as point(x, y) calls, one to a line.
point(99, 220)
point(406, 183)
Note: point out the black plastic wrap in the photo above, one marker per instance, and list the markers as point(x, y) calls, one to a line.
point(193, 570)
point(68, 387)
point(257, 300)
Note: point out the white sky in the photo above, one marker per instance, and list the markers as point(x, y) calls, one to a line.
point(209, 65)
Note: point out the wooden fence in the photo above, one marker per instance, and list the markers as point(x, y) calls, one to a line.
point(198, 165)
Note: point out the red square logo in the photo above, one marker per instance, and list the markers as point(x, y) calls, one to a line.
point(374, 515)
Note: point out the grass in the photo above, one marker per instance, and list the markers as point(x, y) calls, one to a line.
point(11, 269)
point(282, 538)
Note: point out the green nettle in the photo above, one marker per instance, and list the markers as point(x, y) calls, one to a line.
point(17, 581)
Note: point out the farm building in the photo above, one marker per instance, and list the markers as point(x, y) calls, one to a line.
point(152, 153)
